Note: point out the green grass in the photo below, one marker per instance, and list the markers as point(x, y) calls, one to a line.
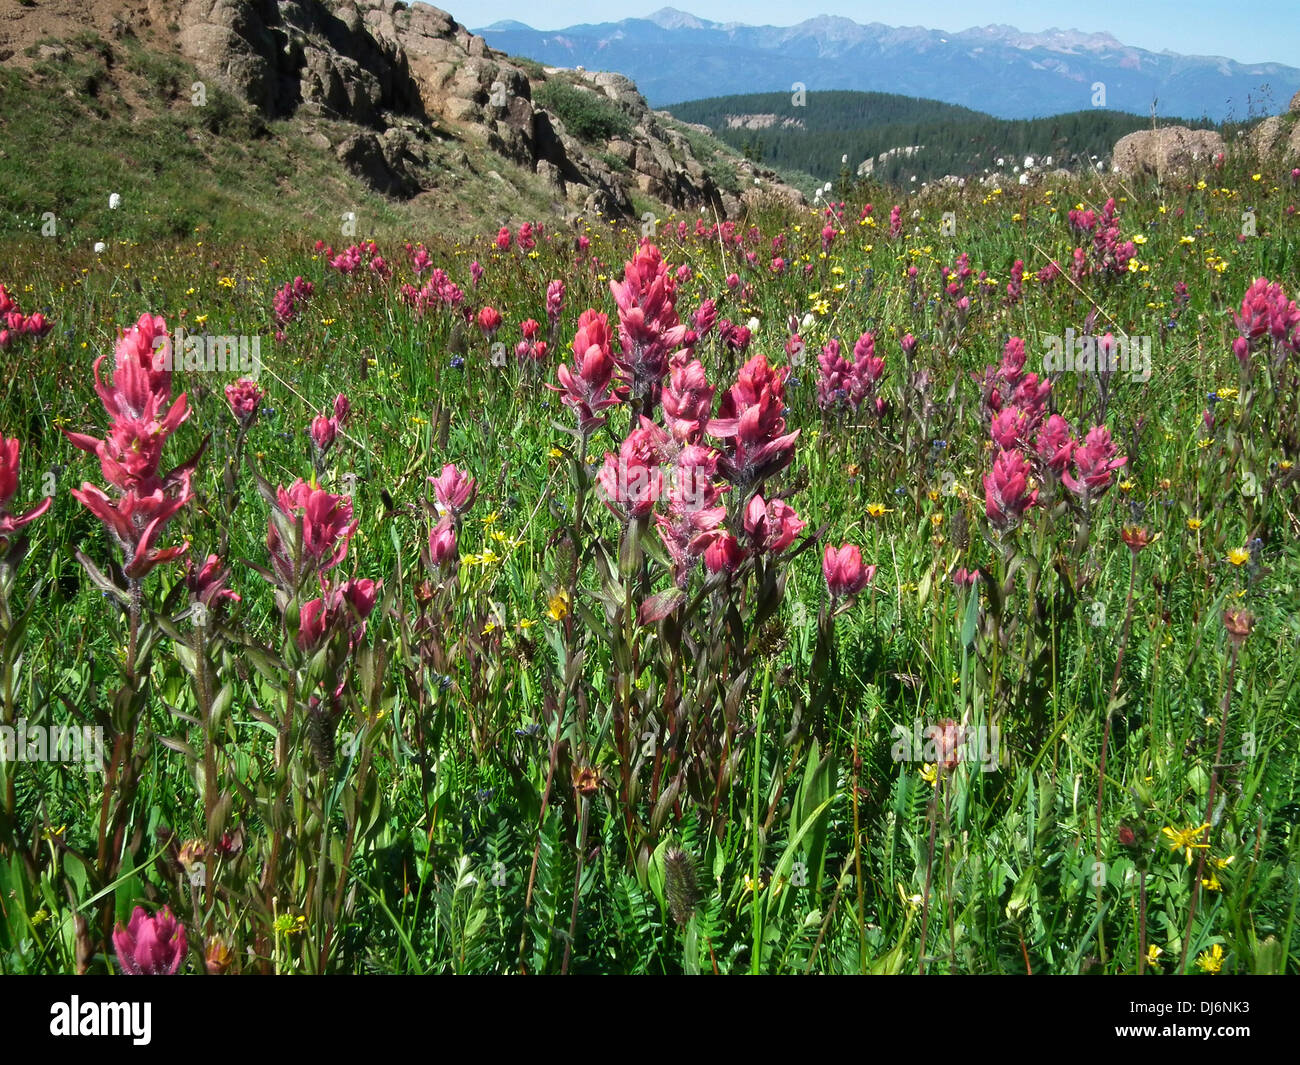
point(76, 130)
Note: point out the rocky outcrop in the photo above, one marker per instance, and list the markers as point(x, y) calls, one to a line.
point(376, 63)
point(868, 166)
point(768, 121)
point(390, 163)
point(1278, 135)
point(1165, 151)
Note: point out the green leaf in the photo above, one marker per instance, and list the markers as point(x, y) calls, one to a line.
point(971, 621)
point(655, 872)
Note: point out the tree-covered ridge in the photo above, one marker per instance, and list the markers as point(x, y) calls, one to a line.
point(956, 140)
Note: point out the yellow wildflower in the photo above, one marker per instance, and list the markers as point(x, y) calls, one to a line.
point(1185, 839)
point(558, 605)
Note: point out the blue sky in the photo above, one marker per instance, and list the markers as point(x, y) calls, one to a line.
point(1259, 31)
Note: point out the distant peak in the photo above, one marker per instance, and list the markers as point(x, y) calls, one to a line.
point(1054, 38)
point(670, 18)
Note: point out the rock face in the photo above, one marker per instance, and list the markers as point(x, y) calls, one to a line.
point(868, 166)
point(1278, 135)
point(384, 65)
point(1164, 151)
point(762, 122)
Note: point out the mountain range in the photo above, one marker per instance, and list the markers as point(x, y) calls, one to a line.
point(674, 56)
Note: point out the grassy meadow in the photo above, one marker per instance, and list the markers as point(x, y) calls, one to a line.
point(612, 708)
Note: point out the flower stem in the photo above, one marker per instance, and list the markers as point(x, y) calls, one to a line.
point(1105, 740)
point(1209, 809)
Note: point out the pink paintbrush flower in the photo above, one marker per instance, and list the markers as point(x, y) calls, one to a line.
point(751, 422)
point(1094, 464)
point(207, 584)
point(150, 945)
point(324, 431)
point(687, 401)
point(844, 572)
point(631, 482)
point(1054, 444)
point(9, 465)
point(489, 321)
point(1010, 427)
point(554, 300)
point(724, 555)
point(590, 387)
point(327, 527)
point(455, 490)
point(244, 397)
point(1006, 495)
point(771, 526)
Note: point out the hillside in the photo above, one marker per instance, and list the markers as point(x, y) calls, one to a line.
point(876, 131)
point(997, 69)
point(234, 116)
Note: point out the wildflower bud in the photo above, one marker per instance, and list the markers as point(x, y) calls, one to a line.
point(586, 781)
point(442, 542)
point(217, 956)
point(1238, 622)
point(312, 620)
point(207, 582)
point(193, 856)
point(1136, 536)
point(342, 410)
point(324, 431)
point(322, 725)
point(948, 738)
point(1241, 348)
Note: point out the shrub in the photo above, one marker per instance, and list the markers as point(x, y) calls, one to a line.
point(585, 115)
